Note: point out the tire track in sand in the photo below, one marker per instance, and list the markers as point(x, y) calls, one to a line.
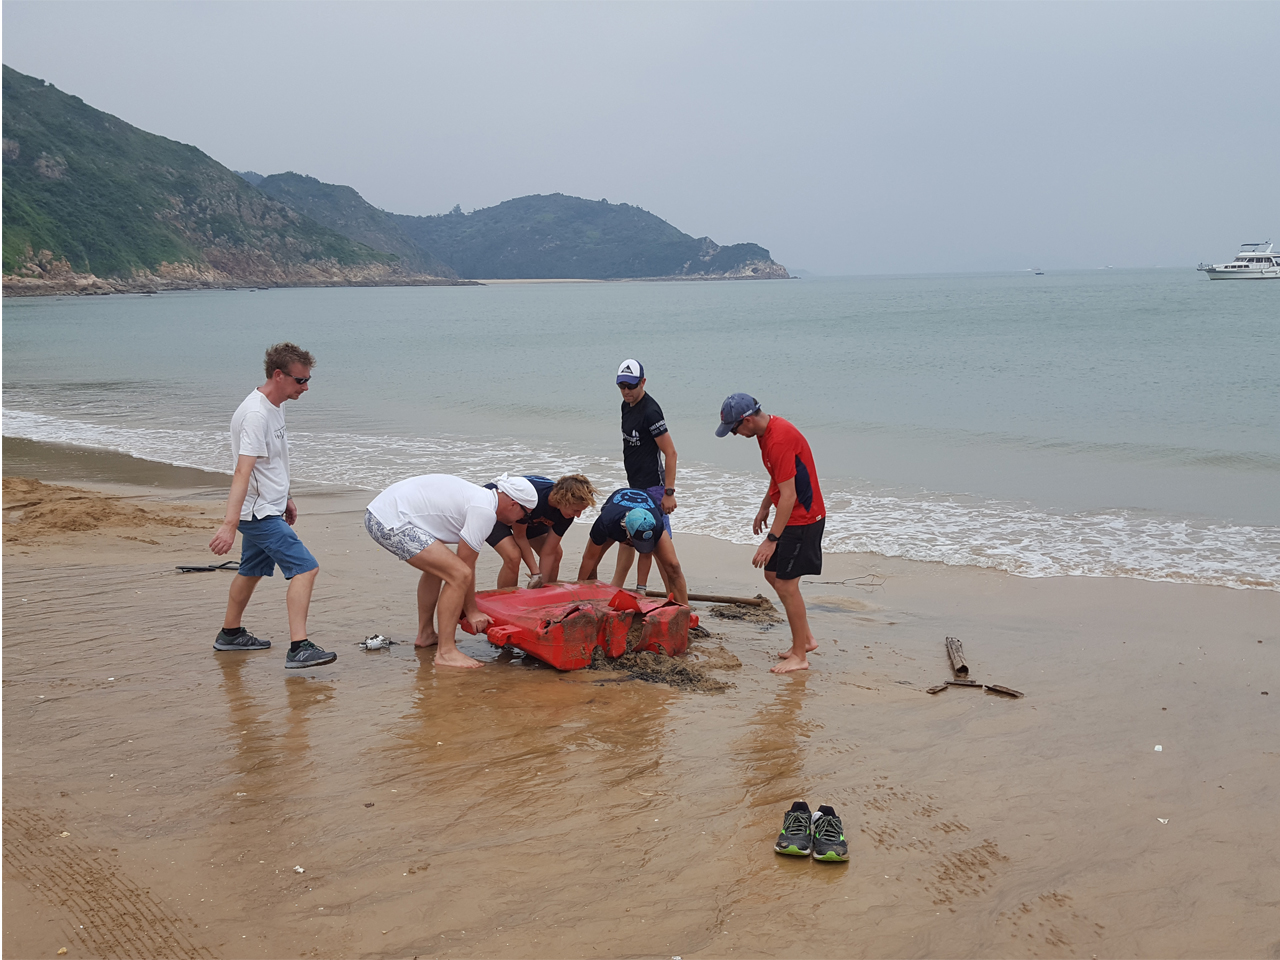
point(110, 914)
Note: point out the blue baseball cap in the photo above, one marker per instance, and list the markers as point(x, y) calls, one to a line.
point(735, 407)
point(630, 371)
point(642, 529)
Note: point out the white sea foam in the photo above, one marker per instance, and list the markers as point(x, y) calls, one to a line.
point(1006, 536)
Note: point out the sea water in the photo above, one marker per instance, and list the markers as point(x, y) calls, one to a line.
point(1096, 423)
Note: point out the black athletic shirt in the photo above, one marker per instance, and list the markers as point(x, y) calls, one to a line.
point(641, 426)
point(610, 525)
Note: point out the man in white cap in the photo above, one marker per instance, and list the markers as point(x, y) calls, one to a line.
point(648, 452)
point(415, 518)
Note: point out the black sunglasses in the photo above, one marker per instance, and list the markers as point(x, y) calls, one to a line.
point(298, 380)
point(628, 386)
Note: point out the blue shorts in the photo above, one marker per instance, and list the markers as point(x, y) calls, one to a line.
point(656, 494)
point(268, 541)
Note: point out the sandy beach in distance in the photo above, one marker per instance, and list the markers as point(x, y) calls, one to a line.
point(161, 800)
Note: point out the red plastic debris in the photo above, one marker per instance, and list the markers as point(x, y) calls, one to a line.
point(564, 623)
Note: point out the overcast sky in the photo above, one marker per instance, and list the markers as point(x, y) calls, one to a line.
point(845, 138)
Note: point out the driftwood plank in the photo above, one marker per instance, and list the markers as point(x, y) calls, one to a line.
point(956, 653)
point(963, 683)
point(938, 689)
point(712, 598)
point(1007, 691)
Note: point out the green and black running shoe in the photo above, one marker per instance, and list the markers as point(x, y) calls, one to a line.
point(828, 836)
point(796, 838)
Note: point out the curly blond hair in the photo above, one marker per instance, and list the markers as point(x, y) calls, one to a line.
point(573, 490)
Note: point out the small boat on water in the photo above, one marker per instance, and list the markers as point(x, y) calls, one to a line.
point(1251, 263)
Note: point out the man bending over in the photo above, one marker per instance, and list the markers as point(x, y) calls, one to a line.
point(535, 540)
point(633, 521)
point(415, 518)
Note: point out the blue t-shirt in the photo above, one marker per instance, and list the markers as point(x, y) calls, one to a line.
point(611, 525)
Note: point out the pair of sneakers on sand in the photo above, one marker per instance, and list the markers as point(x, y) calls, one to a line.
point(304, 653)
point(805, 833)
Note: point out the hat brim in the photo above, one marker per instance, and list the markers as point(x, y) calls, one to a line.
point(629, 381)
point(726, 428)
point(646, 546)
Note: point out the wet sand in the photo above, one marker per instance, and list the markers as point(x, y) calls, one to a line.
point(515, 811)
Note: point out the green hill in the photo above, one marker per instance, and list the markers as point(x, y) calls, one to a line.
point(561, 237)
point(342, 209)
point(86, 192)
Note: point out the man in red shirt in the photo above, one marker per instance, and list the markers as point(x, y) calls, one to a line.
point(793, 547)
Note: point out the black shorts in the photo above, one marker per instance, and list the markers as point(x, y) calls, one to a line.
point(501, 531)
point(799, 551)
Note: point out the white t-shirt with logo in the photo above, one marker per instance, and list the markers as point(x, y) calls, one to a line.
point(257, 430)
point(448, 508)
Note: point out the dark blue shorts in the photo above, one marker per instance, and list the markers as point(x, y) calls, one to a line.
point(269, 541)
point(656, 494)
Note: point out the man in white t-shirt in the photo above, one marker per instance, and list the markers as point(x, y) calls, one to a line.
point(260, 509)
point(415, 518)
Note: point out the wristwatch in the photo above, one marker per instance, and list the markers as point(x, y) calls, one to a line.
point(670, 491)
point(772, 537)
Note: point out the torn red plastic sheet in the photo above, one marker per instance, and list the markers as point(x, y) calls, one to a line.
point(564, 623)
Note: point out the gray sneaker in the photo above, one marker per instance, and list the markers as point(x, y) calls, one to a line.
point(307, 655)
point(242, 641)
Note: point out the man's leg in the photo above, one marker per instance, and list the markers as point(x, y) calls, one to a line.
point(428, 596)
point(643, 566)
point(549, 552)
point(802, 639)
point(297, 600)
point(237, 599)
point(626, 555)
point(509, 575)
point(441, 562)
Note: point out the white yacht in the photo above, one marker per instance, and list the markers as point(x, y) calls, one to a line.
point(1251, 263)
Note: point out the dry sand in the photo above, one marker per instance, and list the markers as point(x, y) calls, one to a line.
point(158, 796)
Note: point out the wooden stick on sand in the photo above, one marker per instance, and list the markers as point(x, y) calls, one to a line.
point(956, 652)
point(713, 598)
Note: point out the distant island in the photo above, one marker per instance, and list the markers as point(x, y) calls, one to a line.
point(95, 205)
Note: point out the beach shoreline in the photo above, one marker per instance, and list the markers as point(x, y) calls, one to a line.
point(516, 811)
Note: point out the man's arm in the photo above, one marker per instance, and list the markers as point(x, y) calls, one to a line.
point(591, 557)
point(225, 537)
point(519, 533)
point(479, 621)
point(669, 564)
point(786, 502)
point(762, 515)
point(549, 562)
point(668, 448)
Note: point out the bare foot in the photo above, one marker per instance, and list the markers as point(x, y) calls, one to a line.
point(428, 641)
point(790, 664)
point(456, 658)
point(811, 646)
